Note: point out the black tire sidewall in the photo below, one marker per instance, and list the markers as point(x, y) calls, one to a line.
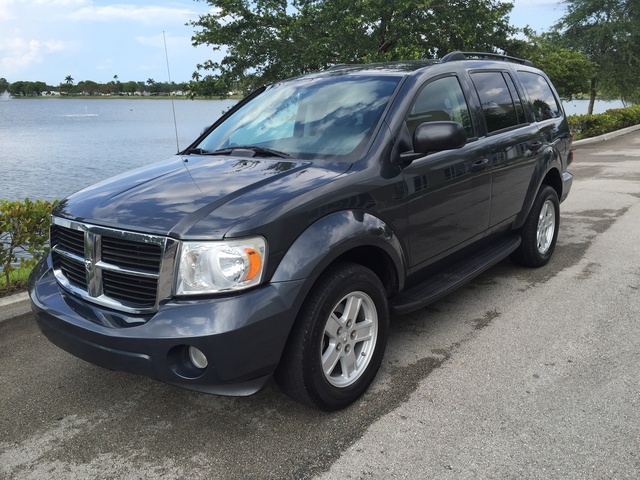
point(353, 278)
point(530, 255)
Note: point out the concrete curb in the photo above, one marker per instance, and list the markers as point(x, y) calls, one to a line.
point(606, 136)
point(14, 306)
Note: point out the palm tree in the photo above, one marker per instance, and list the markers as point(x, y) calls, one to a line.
point(69, 79)
point(151, 82)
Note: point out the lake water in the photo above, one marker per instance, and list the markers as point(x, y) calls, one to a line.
point(50, 148)
point(580, 107)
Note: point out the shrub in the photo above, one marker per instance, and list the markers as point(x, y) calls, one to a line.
point(24, 229)
point(585, 126)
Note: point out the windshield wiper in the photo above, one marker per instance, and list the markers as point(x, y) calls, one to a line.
point(261, 150)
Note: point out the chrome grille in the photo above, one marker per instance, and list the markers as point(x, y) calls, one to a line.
point(124, 270)
point(125, 253)
point(74, 271)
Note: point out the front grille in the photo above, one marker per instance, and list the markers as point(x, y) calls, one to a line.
point(124, 270)
point(71, 240)
point(74, 271)
point(125, 253)
point(129, 288)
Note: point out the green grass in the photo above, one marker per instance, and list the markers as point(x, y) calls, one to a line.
point(17, 281)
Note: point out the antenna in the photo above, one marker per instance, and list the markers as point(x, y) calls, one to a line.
point(175, 123)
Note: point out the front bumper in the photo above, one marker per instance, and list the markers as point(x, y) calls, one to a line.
point(242, 335)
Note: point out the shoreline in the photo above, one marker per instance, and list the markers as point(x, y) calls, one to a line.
point(119, 97)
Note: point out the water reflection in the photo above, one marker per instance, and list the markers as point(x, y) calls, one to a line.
point(51, 156)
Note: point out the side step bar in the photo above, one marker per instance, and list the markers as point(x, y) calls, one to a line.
point(449, 279)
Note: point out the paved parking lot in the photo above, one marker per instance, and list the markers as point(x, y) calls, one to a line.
point(522, 373)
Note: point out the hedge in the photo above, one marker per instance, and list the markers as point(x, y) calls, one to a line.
point(24, 231)
point(585, 126)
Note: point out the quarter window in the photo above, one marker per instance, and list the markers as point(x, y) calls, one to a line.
point(543, 101)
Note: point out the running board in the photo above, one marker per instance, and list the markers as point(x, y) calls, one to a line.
point(453, 277)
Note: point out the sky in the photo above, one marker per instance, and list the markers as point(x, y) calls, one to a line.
point(48, 40)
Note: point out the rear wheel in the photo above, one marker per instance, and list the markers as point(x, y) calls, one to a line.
point(540, 230)
point(338, 342)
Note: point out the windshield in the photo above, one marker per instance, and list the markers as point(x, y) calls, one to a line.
point(308, 118)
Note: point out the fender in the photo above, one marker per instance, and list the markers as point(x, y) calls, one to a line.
point(550, 162)
point(333, 235)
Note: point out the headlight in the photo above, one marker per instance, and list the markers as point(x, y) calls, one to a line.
point(210, 267)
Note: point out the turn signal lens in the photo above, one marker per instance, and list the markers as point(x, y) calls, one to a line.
point(255, 263)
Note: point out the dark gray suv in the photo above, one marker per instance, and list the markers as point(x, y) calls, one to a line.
point(283, 239)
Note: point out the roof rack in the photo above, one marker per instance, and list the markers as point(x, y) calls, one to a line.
point(340, 65)
point(453, 56)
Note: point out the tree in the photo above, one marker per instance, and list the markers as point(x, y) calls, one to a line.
point(267, 40)
point(36, 88)
point(18, 89)
point(569, 70)
point(4, 85)
point(608, 32)
point(88, 87)
point(66, 86)
point(130, 87)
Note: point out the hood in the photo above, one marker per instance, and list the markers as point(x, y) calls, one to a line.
point(170, 197)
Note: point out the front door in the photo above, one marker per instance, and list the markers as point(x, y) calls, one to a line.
point(449, 192)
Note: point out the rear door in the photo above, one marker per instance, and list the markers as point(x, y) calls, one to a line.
point(513, 142)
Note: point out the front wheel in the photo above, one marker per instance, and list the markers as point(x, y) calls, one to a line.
point(338, 342)
point(540, 230)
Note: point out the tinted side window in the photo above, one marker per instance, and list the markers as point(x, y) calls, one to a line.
point(543, 102)
point(497, 104)
point(439, 100)
point(516, 98)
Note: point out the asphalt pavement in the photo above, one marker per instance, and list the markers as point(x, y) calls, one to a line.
point(520, 374)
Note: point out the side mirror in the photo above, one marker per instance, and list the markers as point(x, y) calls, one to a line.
point(438, 136)
point(430, 137)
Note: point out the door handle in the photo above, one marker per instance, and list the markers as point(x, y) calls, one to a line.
point(479, 165)
point(534, 146)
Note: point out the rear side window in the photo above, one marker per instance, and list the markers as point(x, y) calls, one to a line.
point(498, 104)
point(543, 101)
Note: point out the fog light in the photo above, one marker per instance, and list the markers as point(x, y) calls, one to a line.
point(197, 358)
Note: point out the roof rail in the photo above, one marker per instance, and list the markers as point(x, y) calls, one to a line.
point(340, 65)
point(453, 56)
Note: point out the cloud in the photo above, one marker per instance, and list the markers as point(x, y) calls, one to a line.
point(58, 3)
point(18, 53)
point(158, 40)
point(147, 14)
point(5, 11)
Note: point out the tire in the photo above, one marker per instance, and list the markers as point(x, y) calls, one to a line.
point(540, 231)
point(338, 341)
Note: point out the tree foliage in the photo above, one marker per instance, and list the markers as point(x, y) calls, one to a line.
point(24, 227)
point(268, 40)
point(568, 69)
point(608, 32)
